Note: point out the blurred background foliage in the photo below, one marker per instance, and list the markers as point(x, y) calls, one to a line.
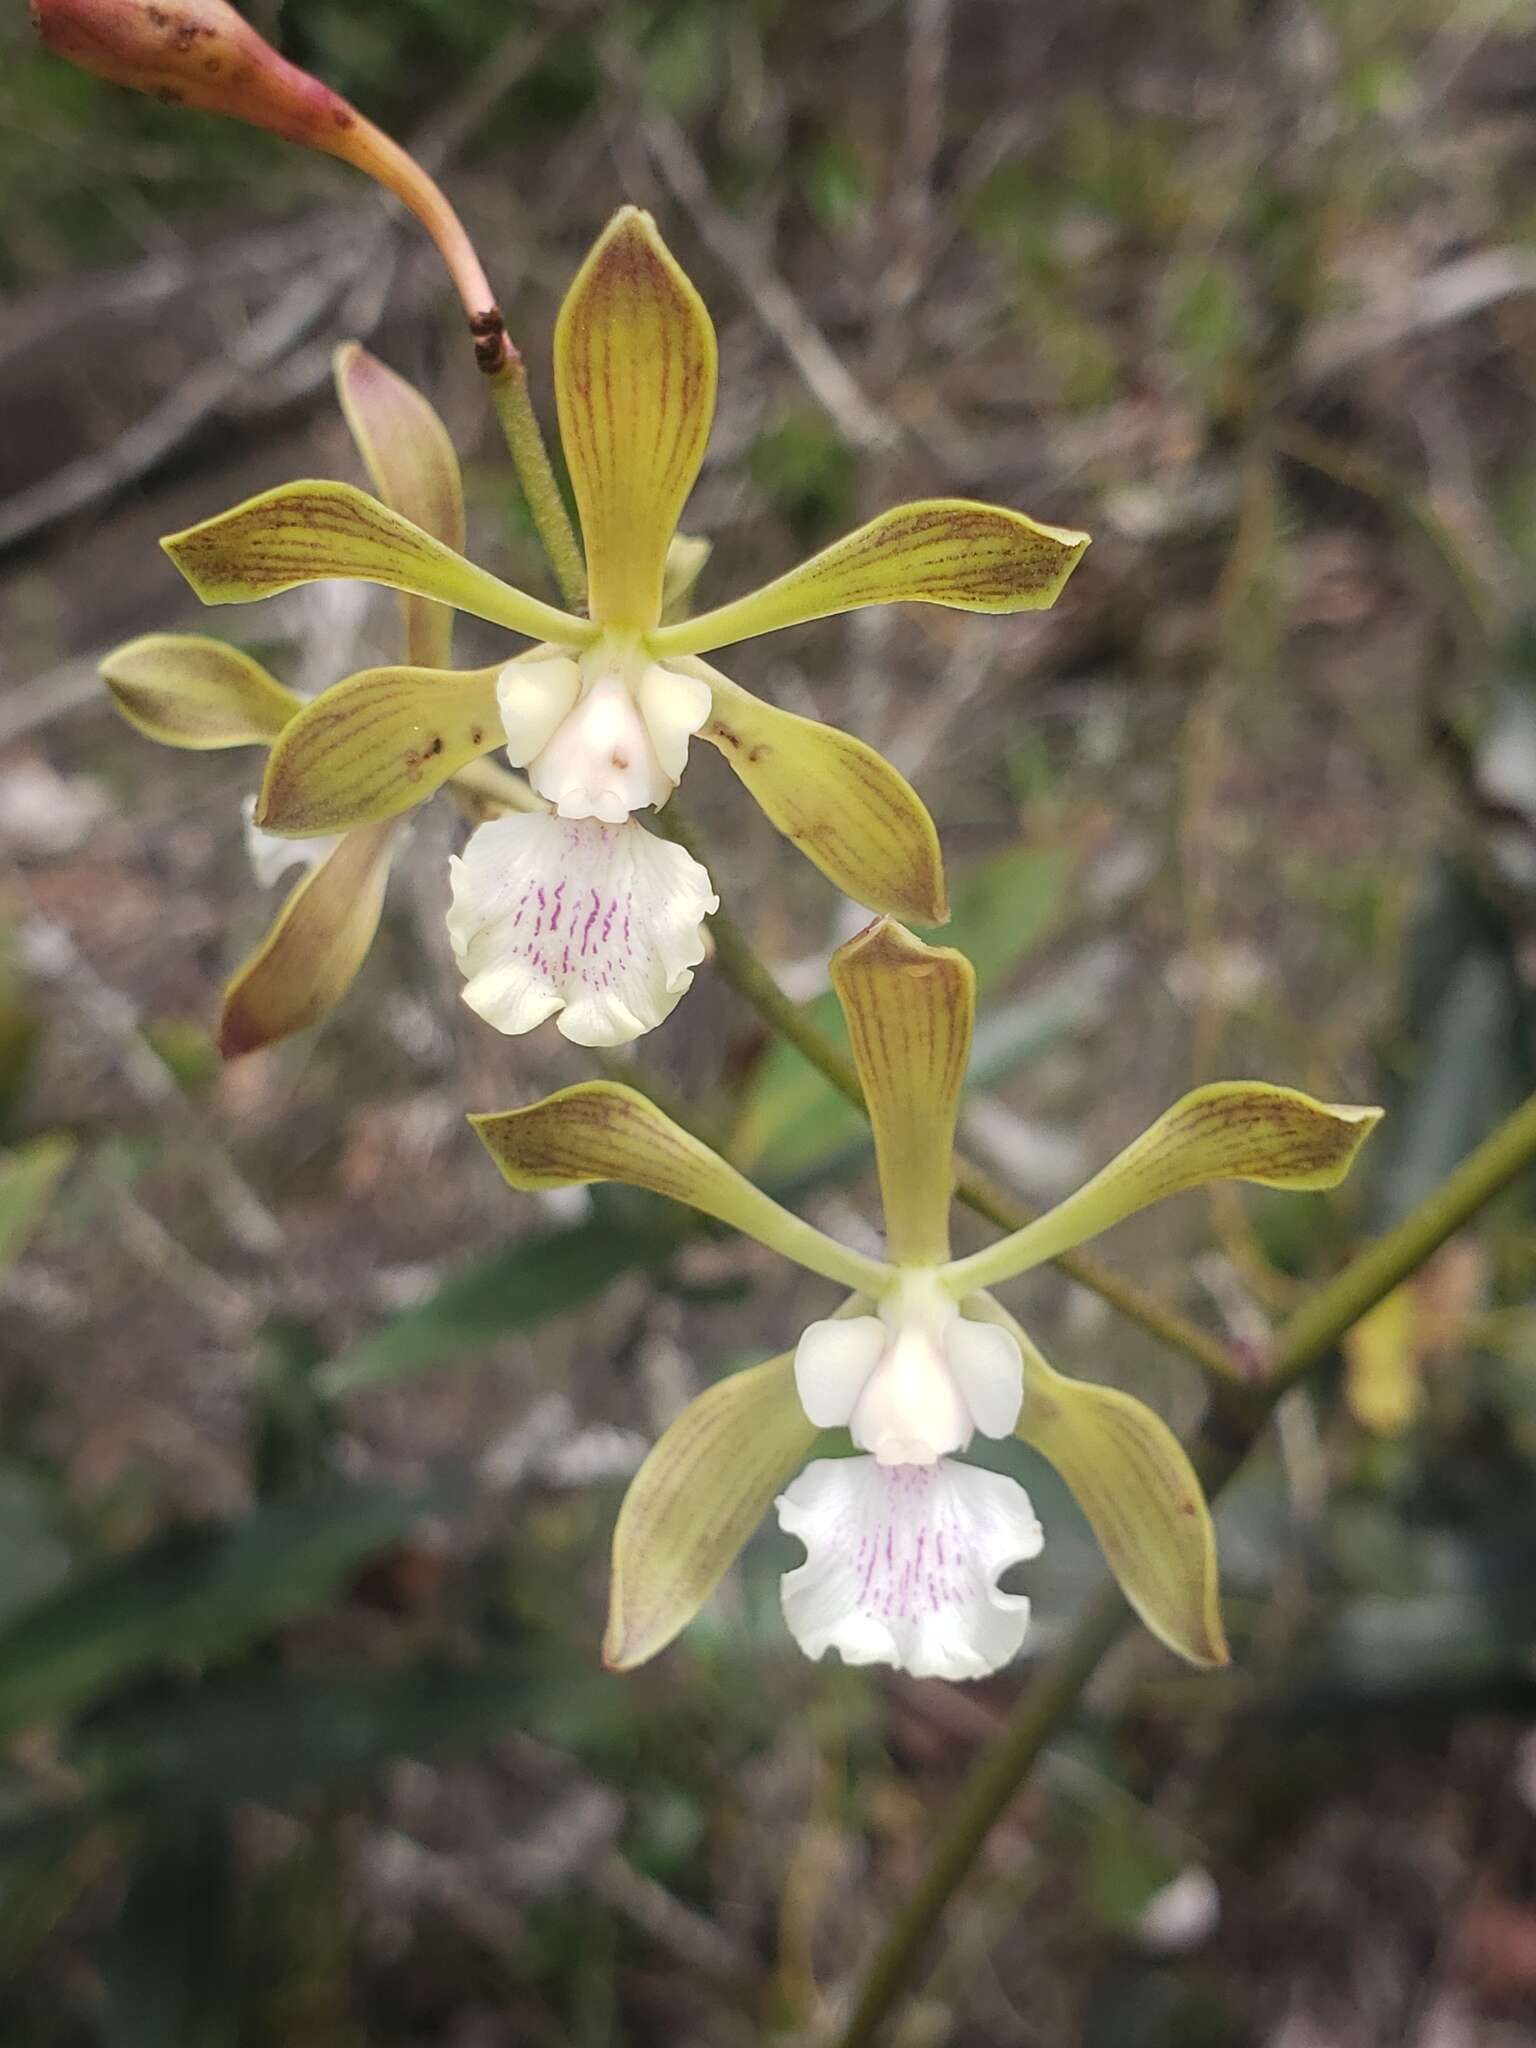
point(311, 1439)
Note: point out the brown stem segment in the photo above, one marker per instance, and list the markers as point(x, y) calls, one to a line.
point(202, 54)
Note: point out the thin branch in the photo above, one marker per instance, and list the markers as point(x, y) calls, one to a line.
point(190, 404)
point(826, 375)
point(52, 955)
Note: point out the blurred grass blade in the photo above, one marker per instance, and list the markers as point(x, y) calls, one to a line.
point(28, 1177)
point(191, 1596)
point(537, 1277)
point(274, 1738)
point(167, 1967)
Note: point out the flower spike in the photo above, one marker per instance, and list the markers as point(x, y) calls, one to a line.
point(906, 1545)
point(600, 713)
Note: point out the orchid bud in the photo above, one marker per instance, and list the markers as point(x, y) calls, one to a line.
point(201, 53)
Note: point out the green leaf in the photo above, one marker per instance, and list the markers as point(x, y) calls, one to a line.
point(28, 1177)
point(167, 1966)
point(31, 1540)
point(274, 1738)
point(193, 1595)
point(1473, 1068)
point(537, 1277)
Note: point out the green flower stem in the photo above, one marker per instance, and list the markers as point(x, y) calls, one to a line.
point(535, 472)
point(1046, 1701)
point(742, 968)
point(1054, 1690)
point(1319, 1323)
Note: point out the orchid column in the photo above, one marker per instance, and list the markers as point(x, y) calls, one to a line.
point(905, 1541)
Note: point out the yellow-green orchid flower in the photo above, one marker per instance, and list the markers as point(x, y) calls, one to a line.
point(188, 691)
point(578, 911)
point(904, 1544)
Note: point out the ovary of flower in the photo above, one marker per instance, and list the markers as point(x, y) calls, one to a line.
point(914, 1382)
point(604, 735)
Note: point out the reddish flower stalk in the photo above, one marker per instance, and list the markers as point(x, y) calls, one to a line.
point(201, 53)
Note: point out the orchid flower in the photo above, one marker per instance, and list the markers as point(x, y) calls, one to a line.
point(577, 911)
point(186, 690)
point(905, 1543)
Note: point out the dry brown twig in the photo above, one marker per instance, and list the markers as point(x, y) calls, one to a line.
point(824, 372)
point(364, 261)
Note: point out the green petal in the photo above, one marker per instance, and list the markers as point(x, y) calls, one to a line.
point(416, 473)
point(687, 554)
point(706, 1485)
point(28, 1178)
point(846, 808)
point(185, 690)
point(949, 551)
point(909, 1010)
point(1129, 1474)
point(1231, 1130)
point(599, 1130)
point(375, 745)
point(310, 957)
point(305, 532)
point(635, 386)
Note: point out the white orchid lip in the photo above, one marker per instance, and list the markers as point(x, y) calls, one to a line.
point(598, 925)
point(604, 736)
point(902, 1564)
point(914, 1382)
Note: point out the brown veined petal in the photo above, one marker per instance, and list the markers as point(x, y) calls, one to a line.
point(847, 809)
point(948, 551)
point(909, 1010)
point(707, 1483)
point(1230, 1130)
point(635, 387)
point(375, 745)
point(320, 938)
point(305, 532)
point(1132, 1479)
point(414, 470)
point(186, 690)
point(599, 1130)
